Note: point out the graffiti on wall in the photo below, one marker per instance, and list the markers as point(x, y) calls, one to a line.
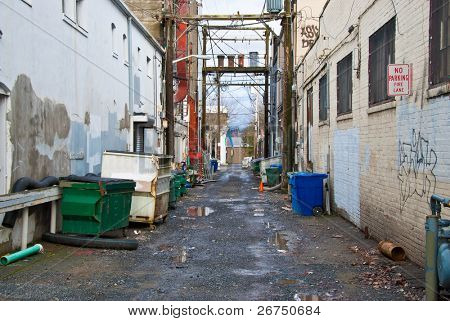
point(309, 34)
point(417, 161)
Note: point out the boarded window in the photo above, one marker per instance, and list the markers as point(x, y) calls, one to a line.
point(344, 85)
point(323, 98)
point(439, 42)
point(381, 54)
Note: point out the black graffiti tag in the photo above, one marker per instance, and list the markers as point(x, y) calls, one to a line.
point(417, 161)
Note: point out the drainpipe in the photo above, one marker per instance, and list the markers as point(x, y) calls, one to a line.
point(130, 81)
point(431, 252)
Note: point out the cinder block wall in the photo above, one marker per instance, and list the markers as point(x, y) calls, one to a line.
point(385, 161)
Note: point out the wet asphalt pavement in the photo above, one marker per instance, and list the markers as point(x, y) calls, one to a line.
point(239, 245)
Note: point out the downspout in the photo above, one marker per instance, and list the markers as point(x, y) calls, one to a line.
point(181, 51)
point(130, 83)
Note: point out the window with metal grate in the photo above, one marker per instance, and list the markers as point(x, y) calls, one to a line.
point(381, 54)
point(439, 42)
point(344, 85)
point(323, 98)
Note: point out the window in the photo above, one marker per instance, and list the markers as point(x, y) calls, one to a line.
point(344, 85)
point(125, 49)
point(439, 42)
point(149, 67)
point(381, 54)
point(323, 98)
point(113, 40)
point(75, 11)
point(139, 59)
point(309, 122)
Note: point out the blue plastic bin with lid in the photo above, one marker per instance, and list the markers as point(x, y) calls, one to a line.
point(215, 165)
point(307, 192)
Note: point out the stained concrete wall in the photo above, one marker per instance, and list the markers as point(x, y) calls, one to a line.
point(387, 160)
point(69, 82)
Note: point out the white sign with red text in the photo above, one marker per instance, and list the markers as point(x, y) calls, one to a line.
point(399, 80)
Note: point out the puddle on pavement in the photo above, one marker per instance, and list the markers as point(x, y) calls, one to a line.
point(199, 211)
point(231, 200)
point(306, 297)
point(181, 257)
point(279, 240)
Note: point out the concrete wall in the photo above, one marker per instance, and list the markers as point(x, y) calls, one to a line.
point(384, 161)
point(69, 83)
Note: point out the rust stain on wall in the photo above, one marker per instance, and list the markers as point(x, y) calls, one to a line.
point(38, 130)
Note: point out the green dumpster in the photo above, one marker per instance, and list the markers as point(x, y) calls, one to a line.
point(173, 193)
point(95, 205)
point(177, 184)
point(183, 182)
point(273, 176)
point(256, 166)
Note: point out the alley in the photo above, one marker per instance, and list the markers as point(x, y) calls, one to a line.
point(240, 245)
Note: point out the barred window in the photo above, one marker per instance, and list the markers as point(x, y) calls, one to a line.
point(439, 42)
point(323, 98)
point(344, 85)
point(381, 54)
point(309, 121)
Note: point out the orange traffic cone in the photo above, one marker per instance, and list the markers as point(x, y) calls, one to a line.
point(261, 186)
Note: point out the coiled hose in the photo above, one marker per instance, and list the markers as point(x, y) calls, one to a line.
point(23, 184)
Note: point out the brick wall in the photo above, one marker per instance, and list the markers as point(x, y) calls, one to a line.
point(387, 160)
point(149, 12)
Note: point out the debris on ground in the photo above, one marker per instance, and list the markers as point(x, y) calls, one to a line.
point(287, 209)
point(385, 276)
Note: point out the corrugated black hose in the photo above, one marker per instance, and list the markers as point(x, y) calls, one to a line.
point(24, 184)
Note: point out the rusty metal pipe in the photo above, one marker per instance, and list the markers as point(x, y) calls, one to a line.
point(392, 251)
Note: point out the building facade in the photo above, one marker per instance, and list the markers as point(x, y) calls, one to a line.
point(74, 84)
point(212, 133)
point(385, 155)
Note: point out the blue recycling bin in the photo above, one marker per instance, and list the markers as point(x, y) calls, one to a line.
point(215, 165)
point(307, 192)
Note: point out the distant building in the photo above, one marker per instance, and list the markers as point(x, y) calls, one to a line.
point(237, 150)
point(212, 132)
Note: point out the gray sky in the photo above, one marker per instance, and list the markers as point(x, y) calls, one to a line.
point(236, 99)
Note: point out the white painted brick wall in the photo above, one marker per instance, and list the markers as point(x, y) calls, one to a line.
point(391, 204)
